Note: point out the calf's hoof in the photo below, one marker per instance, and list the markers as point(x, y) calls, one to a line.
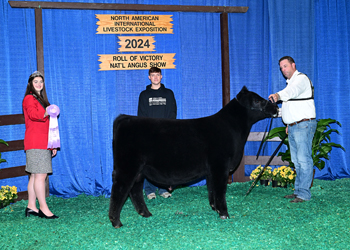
point(117, 224)
point(224, 217)
point(146, 214)
point(212, 207)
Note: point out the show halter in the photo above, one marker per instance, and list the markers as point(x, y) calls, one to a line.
point(54, 135)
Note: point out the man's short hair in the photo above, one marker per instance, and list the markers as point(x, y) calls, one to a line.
point(154, 70)
point(289, 58)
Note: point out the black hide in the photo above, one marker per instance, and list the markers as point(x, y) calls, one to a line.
point(172, 152)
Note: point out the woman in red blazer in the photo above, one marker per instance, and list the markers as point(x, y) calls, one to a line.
point(38, 157)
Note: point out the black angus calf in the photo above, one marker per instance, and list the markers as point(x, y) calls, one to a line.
point(172, 152)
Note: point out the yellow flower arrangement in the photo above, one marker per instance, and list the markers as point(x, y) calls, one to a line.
point(283, 175)
point(267, 174)
point(8, 195)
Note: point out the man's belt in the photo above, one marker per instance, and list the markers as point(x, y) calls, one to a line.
point(303, 120)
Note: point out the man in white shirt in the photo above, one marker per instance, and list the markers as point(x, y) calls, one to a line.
point(299, 114)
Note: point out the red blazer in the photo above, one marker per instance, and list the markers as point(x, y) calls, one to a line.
point(37, 127)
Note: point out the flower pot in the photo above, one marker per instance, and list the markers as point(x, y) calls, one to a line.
point(264, 182)
point(274, 184)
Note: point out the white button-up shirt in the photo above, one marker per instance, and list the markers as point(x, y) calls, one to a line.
point(298, 87)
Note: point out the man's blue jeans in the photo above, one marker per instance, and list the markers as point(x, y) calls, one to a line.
point(300, 142)
point(150, 188)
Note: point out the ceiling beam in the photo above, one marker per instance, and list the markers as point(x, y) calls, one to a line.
point(131, 7)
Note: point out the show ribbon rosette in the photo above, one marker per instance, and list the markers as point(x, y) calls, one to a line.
point(54, 135)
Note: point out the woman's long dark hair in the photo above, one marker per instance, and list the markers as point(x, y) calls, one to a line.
point(42, 97)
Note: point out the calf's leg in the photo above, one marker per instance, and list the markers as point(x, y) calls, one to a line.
point(115, 205)
point(122, 184)
point(210, 192)
point(218, 185)
point(136, 196)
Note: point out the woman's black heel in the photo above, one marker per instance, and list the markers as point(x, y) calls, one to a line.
point(42, 215)
point(29, 212)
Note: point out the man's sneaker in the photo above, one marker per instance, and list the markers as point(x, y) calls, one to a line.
point(291, 196)
point(151, 196)
point(166, 195)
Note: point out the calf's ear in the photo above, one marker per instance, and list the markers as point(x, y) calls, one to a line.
point(244, 89)
point(242, 95)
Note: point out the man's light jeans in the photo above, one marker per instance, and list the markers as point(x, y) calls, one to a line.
point(300, 142)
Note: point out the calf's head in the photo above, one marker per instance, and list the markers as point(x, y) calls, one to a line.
point(258, 107)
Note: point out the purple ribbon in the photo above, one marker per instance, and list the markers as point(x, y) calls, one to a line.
point(54, 135)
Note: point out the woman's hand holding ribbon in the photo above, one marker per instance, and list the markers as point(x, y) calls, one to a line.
point(54, 136)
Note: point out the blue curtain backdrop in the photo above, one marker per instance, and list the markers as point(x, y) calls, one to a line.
point(315, 33)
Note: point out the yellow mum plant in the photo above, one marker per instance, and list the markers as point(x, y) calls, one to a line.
point(267, 174)
point(8, 195)
point(283, 175)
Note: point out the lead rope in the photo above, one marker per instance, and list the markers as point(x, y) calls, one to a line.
point(269, 161)
point(262, 140)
